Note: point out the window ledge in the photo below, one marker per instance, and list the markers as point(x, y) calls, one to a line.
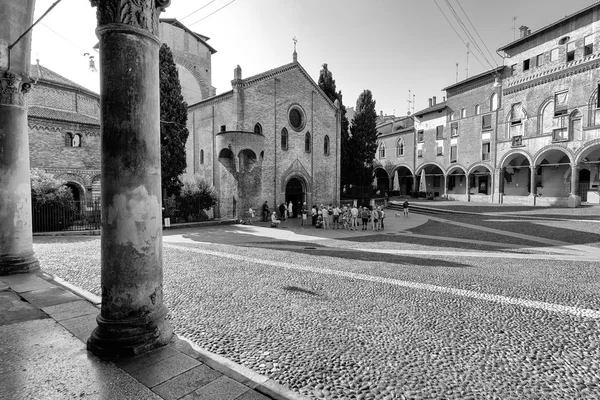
point(486, 129)
point(560, 140)
point(518, 145)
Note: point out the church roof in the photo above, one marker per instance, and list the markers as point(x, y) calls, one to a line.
point(199, 37)
point(43, 74)
point(272, 73)
point(61, 115)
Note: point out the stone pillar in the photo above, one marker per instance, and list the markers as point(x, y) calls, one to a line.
point(467, 186)
point(574, 198)
point(16, 239)
point(445, 187)
point(532, 180)
point(132, 319)
point(501, 185)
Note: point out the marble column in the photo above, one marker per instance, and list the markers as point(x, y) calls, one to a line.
point(16, 239)
point(574, 198)
point(133, 316)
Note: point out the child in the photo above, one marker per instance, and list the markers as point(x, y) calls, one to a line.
point(405, 208)
point(250, 216)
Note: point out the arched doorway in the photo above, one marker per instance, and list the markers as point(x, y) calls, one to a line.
point(77, 195)
point(405, 181)
point(383, 181)
point(294, 192)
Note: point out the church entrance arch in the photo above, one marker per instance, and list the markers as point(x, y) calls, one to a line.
point(295, 191)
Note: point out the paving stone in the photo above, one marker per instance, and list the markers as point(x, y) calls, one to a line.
point(223, 388)
point(164, 370)
point(252, 395)
point(187, 382)
point(41, 360)
point(80, 327)
point(21, 283)
point(145, 360)
point(71, 310)
point(49, 297)
point(13, 309)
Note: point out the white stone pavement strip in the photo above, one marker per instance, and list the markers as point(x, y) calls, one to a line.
point(550, 307)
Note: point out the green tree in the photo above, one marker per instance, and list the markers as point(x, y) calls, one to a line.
point(46, 189)
point(363, 143)
point(327, 84)
point(53, 208)
point(173, 120)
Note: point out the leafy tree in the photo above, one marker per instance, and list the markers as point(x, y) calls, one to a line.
point(196, 196)
point(173, 120)
point(363, 143)
point(53, 208)
point(327, 84)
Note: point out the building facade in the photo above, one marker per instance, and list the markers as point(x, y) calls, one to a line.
point(274, 137)
point(64, 132)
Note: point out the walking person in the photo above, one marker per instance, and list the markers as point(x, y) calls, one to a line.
point(405, 208)
point(265, 212)
point(250, 215)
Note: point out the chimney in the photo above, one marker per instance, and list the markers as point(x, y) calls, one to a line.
point(434, 100)
point(430, 104)
point(524, 31)
point(237, 73)
point(444, 99)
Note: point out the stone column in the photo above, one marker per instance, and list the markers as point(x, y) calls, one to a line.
point(16, 240)
point(132, 319)
point(574, 198)
point(532, 180)
point(468, 186)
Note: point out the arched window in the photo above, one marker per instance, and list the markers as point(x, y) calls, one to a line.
point(326, 145)
point(201, 156)
point(400, 148)
point(68, 139)
point(258, 129)
point(284, 139)
point(307, 142)
point(494, 102)
point(575, 131)
point(76, 140)
point(546, 120)
point(381, 150)
point(477, 109)
point(463, 113)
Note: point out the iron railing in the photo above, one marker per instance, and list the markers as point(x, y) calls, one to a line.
point(65, 216)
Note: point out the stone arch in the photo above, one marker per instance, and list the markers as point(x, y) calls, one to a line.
point(546, 149)
point(584, 150)
point(454, 167)
point(420, 167)
point(78, 190)
point(247, 160)
point(478, 165)
point(511, 154)
point(400, 147)
point(592, 103)
point(192, 68)
point(543, 105)
point(402, 165)
point(300, 175)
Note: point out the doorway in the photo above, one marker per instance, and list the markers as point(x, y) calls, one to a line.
point(294, 192)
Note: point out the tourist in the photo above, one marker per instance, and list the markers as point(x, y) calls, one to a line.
point(381, 216)
point(314, 214)
point(325, 214)
point(265, 212)
point(365, 218)
point(336, 217)
point(274, 221)
point(375, 218)
point(250, 215)
point(304, 213)
point(282, 211)
point(290, 210)
point(405, 208)
point(354, 218)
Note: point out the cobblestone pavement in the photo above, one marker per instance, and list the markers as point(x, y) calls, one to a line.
point(394, 315)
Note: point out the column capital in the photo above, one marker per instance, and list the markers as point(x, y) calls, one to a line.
point(143, 14)
point(13, 89)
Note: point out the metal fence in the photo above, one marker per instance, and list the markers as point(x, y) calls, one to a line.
point(65, 216)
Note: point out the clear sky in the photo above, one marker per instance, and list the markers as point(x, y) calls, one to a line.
point(387, 46)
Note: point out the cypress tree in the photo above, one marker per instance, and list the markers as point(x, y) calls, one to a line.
point(173, 120)
point(364, 139)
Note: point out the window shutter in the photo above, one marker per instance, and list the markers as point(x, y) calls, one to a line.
point(440, 131)
point(560, 103)
point(486, 121)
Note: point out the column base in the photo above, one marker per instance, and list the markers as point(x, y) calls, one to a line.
point(18, 264)
point(129, 338)
point(574, 201)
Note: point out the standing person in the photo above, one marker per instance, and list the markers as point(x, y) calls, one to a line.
point(304, 213)
point(381, 216)
point(314, 214)
point(282, 211)
point(290, 209)
point(325, 214)
point(354, 218)
point(375, 218)
point(365, 218)
point(336, 217)
point(405, 208)
point(265, 212)
point(250, 215)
